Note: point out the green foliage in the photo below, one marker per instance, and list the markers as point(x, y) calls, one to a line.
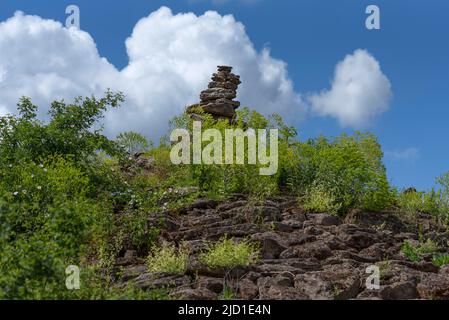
point(348, 167)
point(432, 202)
point(443, 181)
point(95, 285)
point(414, 252)
point(54, 194)
point(384, 268)
point(46, 221)
point(227, 294)
point(319, 199)
point(229, 253)
point(410, 252)
point(132, 142)
point(411, 202)
point(67, 133)
point(68, 198)
point(168, 259)
point(220, 180)
point(341, 173)
point(441, 259)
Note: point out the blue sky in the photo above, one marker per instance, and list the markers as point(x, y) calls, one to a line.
point(412, 49)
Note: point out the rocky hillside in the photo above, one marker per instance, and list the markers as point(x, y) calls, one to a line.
point(302, 255)
point(138, 226)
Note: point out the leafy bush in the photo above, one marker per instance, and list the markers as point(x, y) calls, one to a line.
point(319, 199)
point(410, 252)
point(132, 142)
point(414, 253)
point(229, 253)
point(431, 202)
point(441, 259)
point(227, 294)
point(167, 259)
point(67, 133)
point(443, 181)
point(220, 180)
point(54, 194)
point(410, 202)
point(348, 167)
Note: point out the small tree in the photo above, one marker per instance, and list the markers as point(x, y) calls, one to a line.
point(132, 142)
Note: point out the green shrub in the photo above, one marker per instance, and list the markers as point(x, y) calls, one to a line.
point(428, 246)
point(441, 259)
point(168, 259)
point(229, 253)
point(410, 252)
point(319, 199)
point(414, 253)
point(443, 181)
point(348, 167)
point(432, 202)
point(132, 142)
point(221, 180)
point(54, 194)
point(227, 294)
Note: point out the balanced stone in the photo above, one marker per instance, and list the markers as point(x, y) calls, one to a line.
point(224, 85)
point(224, 69)
point(217, 93)
point(223, 110)
point(217, 100)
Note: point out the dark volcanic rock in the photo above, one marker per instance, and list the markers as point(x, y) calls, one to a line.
point(247, 289)
point(212, 284)
point(160, 280)
point(302, 256)
point(270, 244)
point(399, 291)
point(220, 109)
point(324, 219)
point(193, 294)
point(434, 286)
point(334, 282)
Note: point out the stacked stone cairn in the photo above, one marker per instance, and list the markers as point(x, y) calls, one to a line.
point(217, 100)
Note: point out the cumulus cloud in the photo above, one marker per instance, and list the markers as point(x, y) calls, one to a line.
point(359, 91)
point(171, 58)
point(41, 59)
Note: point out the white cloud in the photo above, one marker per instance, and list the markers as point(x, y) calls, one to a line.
point(171, 58)
point(41, 59)
point(408, 154)
point(359, 92)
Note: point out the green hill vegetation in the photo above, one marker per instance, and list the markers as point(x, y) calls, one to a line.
point(71, 196)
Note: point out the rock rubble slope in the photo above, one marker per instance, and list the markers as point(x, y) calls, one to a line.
point(303, 255)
